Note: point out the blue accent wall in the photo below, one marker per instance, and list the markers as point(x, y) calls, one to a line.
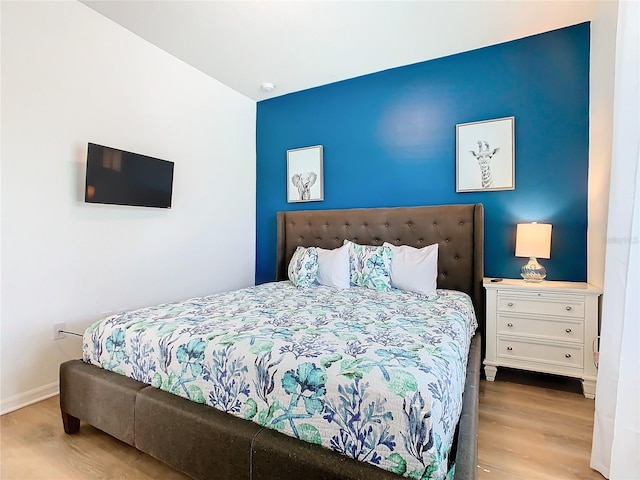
point(389, 140)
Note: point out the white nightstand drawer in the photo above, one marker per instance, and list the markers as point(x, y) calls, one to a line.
point(571, 306)
point(567, 355)
point(550, 328)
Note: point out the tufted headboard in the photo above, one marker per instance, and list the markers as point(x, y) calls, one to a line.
point(458, 230)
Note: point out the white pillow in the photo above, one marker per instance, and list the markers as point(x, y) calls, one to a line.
point(333, 267)
point(414, 269)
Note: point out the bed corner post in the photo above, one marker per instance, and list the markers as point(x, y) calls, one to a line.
point(70, 423)
point(281, 267)
point(478, 267)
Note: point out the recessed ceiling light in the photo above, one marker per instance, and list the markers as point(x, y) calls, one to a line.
point(267, 87)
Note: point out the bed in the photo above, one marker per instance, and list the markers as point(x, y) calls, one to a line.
point(205, 442)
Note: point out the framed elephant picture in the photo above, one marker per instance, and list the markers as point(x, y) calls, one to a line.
point(485, 155)
point(305, 181)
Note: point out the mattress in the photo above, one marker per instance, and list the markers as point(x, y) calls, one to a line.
point(376, 376)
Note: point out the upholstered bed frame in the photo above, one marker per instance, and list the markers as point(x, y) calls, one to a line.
point(209, 444)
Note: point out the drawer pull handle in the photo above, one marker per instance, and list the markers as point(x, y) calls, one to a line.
point(568, 330)
point(509, 348)
point(510, 304)
point(509, 324)
point(567, 355)
point(568, 308)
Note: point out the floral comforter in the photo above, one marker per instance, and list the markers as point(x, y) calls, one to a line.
point(377, 376)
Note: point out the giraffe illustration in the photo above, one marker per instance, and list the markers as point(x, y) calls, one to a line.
point(484, 156)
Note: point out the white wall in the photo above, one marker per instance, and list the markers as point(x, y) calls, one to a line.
point(71, 76)
point(602, 75)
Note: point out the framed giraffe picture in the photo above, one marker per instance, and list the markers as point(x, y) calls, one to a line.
point(485, 155)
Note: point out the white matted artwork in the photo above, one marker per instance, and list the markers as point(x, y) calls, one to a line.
point(485, 155)
point(304, 175)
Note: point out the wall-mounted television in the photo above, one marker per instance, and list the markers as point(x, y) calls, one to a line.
point(117, 177)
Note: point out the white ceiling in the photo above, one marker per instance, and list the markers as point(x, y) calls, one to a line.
point(303, 44)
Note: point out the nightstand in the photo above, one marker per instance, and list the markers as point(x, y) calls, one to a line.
point(548, 327)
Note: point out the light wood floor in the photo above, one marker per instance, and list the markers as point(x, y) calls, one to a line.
point(541, 430)
point(527, 432)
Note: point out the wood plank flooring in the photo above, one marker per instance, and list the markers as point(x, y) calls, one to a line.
point(540, 430)
point(527, 431)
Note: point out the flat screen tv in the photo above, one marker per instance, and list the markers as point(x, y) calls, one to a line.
point(117, 177)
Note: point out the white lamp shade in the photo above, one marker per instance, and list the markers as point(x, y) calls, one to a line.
point(533, 240)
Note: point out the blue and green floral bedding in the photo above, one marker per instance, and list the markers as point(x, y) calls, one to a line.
point(377, 376)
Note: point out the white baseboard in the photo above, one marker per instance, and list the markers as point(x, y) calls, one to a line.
point(27, 398)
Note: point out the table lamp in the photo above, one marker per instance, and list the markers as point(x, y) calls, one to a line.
point(533, 240)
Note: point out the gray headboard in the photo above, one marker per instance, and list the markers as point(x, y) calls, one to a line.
point(458, 230)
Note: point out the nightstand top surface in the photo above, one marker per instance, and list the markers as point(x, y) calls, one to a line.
point(549, 285)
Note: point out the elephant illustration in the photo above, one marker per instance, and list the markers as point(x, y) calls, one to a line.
point(304, 182)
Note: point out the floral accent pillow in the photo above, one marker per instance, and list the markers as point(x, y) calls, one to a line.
point(303, 266)
point(370, 266)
